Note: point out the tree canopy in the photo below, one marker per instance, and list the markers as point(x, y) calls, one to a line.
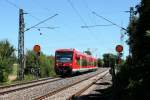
point(109, 59)
point(134, 77)
point(42, 65)
point(88, 52)
point(7, 59)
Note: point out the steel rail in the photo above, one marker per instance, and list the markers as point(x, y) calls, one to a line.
point(72, 97)
point(23, 83)
point(64, 88)
point(21, 86)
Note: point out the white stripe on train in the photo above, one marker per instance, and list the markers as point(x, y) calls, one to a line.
point(83, 69)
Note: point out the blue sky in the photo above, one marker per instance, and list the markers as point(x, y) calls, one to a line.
point(69, 33)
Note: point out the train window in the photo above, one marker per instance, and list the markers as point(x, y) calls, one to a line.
point(78, 60)
point(88, 62)
point(95, 63)
point(64, 56)
point(84, 62)
point(91, 63)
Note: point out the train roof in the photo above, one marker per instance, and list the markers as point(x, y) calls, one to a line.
point(65, 50)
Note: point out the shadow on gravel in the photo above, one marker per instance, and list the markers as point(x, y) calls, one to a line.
point(74, 74)
point(104, 83)
point(100, 94)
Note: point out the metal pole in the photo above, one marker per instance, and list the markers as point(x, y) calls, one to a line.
point(21, 60)
point(131, 21)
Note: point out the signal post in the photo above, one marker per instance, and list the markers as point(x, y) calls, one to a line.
point(119, 49)
point(37, 50)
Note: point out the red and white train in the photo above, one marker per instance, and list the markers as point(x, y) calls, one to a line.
point(69, 61)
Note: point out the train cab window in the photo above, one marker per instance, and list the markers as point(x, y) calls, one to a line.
point(64, 56)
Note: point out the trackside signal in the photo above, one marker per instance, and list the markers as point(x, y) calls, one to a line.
point(37, 48)
point(119, 48)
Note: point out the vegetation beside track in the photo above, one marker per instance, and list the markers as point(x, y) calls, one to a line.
point(43, 66)
point(9, 66)
point(7, 59)
point(133, 79)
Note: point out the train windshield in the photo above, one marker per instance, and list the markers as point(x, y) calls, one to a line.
point(64, 56)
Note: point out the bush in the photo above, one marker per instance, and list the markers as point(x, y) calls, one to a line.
point(41, 65)
point(7, 59)
point(46, 66)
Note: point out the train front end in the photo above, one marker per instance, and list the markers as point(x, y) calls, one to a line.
point(63, 62)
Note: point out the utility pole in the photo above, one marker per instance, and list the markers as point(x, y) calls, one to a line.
point(131, 21)
point(21, 58)
point(132, 12)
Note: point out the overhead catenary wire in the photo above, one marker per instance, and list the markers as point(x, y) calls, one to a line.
point(41, 22)
point(13, 4)
point(76, 11)
point(17, 7)
point(89, 12)
point(26, 12)
point(44, 8)
point(95, 25)
point(108, 20)
point(88, 28)
point(91, 26)
point(47, 27)
point(81, 18)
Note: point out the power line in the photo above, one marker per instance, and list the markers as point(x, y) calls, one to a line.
point(41, 22)
point(47, 27)
point(76, 11)
point(26, 12)
point(109, 21)
point(88, 8)
point(90, 26)
point(13, 4)
point(17, 7)
point(44, 8)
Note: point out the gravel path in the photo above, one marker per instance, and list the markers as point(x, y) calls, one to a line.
point(101, 90)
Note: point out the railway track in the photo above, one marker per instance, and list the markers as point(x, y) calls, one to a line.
point(77, 95)
point(40, 89)
point(73, 90)
point(24, 85)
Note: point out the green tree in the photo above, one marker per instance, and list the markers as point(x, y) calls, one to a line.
point(134, 76)
point(7, 59)
point(99, 62)
point(42, 65)
point(46, 66)
point(88, 52)
point(109, 59)
point(140, 80)
point(30, 61)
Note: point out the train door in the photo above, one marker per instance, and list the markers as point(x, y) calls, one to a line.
point(80, 61)
point(77, 61)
